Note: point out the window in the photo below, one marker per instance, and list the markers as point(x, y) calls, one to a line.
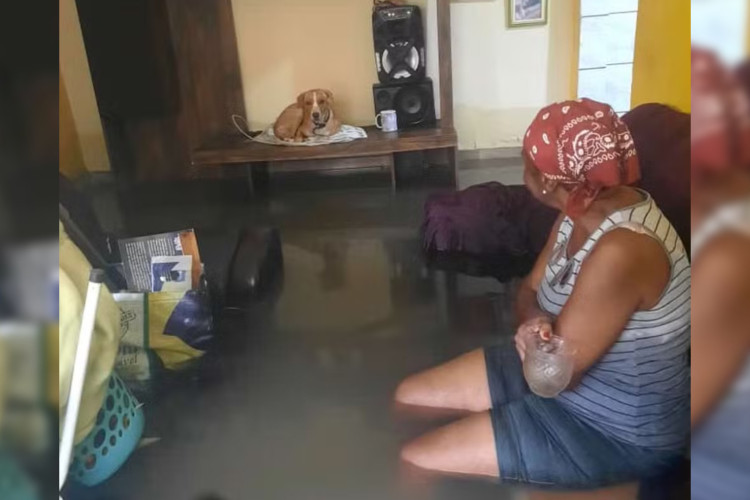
point(607, 45)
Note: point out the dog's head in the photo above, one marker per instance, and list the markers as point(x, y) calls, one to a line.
point(318, 106)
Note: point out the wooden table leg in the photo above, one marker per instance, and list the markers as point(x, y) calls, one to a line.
point(250, 181)
point(392, 168)
point(453, 166)
point(257, 178)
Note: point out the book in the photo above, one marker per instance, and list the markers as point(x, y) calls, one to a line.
point(138, 253)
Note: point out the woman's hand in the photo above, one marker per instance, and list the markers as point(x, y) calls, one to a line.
point(541, 326)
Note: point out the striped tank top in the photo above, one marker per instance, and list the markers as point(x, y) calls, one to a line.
point(639, 391)
point(720, 449)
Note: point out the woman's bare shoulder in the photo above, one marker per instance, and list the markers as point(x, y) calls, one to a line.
point(629, 249)
point(633, 261)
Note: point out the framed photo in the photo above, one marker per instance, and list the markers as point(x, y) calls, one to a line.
point(526, 13)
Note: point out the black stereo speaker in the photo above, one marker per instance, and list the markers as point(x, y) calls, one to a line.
point(414, 102)
point(399, 43)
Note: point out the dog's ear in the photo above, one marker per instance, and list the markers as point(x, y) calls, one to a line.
point(329, 94)
point(301, 99)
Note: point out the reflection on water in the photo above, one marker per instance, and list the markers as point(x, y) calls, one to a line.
point(304, 407)
point(334, 287)
point(295, 402)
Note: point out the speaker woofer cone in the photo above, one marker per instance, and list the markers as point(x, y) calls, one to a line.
point(411, 61)
point(411, 103)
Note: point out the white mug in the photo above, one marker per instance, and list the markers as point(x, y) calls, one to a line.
point(386, 120)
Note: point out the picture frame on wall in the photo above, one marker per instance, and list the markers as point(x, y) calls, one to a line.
point(526, 13)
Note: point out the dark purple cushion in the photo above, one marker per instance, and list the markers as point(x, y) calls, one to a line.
point(486, 219)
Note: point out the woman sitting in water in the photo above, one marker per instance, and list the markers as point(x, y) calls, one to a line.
point(614, 282)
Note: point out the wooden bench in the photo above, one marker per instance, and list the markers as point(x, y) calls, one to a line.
point(376, 150)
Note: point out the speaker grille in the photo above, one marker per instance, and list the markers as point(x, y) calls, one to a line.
point(383, 98)
point(413, 102)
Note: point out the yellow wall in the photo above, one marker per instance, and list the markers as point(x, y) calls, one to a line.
point(76, 77)
point(71, 158)
point(288, 46)
point(661, 69)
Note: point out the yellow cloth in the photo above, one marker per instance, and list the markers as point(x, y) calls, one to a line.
point(172, 351)
point(74, 274)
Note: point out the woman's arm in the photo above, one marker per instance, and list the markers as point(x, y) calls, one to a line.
point(624, 272)
point(527, 307)
point(720, 321)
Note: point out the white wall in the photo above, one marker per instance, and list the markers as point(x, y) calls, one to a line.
point(500, 75)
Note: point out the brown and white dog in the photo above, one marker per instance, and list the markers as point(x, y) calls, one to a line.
point(311, 115)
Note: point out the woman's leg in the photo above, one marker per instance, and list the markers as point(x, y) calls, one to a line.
point(464, 448)
point(459, 384)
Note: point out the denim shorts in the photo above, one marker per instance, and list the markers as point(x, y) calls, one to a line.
point(541, 444)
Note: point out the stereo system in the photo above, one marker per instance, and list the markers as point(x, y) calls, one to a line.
point(398, 35)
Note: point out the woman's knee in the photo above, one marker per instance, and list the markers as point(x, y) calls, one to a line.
point(413, 454)
point(410, 391)
point(460, 384)
point(465, 447)
point(420, 454)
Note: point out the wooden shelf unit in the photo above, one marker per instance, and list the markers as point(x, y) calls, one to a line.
point(376, 150)
point(234, 149)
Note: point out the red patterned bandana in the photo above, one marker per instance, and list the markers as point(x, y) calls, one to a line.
point(582, 143)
